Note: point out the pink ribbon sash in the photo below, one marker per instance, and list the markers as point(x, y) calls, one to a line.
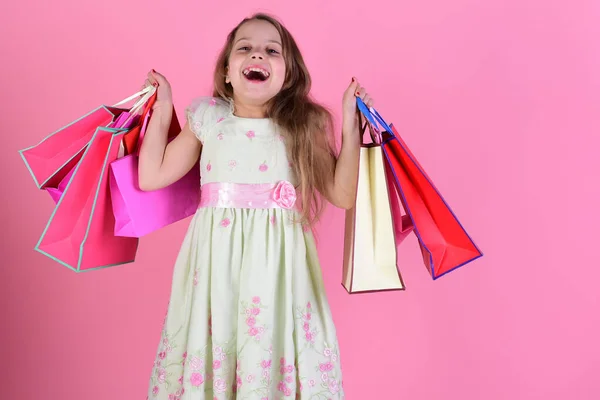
point(235, 195)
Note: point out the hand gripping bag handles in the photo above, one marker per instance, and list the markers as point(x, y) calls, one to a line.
point(370, 242)
point(138, 213)
point(445, 244)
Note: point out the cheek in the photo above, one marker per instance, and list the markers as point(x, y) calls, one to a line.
point(279, 70)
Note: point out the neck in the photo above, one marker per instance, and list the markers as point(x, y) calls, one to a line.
point(245, 110)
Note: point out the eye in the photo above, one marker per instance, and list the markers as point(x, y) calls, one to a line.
point(244, 48)
point(273, 51)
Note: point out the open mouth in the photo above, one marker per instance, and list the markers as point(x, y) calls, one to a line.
point(256, 74)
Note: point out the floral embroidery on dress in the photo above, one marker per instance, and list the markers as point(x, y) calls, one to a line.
point(225, 222)
point(250, 135)
point(252, 311)
point(263, 167)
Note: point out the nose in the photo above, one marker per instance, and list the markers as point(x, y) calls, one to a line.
point(257, 56)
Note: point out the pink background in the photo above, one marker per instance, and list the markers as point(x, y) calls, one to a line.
point(499, 100)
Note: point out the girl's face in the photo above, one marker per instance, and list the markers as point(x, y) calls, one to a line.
point(256, 68)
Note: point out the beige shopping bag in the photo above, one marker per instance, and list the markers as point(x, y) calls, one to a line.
point(370, 243)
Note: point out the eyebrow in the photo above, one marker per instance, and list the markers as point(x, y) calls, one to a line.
point(270, 41)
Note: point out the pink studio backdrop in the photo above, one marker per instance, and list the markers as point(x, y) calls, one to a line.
point(500, 101)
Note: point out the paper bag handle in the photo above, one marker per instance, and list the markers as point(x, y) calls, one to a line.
point(374, 118)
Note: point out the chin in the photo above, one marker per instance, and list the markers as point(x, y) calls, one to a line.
point(255, 96)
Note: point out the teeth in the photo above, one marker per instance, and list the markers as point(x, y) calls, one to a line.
point(265, 73)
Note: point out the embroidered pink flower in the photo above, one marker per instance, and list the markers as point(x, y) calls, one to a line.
point(251, 135)
point(250, 378)
point(306, 327)
point(289, 379)
point(263, 167)
point(287, 391)
point(273, 220)
point(208, 166)
point(180, 380)
point(256, 300)
point(218, 350)
point(309, 336)
point(225, 222)
point(282, 361)
point(195, 283)
point(161, 375)
point(196, 364)
point(284, 194)
point(265, 364)
point(162, 355)
point(289, 369)
point(216, 364)
point(255, 311)
point(220, 385)
point(220, 136)
point(220, 120)
point(324, 377)
point(155, 390)
point(213, 102)
point(251, 321)
point(197, 126)
point(312, 383)
point(252, 331)
point(232, 164)
point(333, 387)
point(326, 367)
point(327, 352)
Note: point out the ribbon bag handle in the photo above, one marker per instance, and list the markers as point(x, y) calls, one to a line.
point(133, 96)
point(374, 118)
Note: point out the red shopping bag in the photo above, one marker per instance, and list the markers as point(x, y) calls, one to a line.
point(445, 244)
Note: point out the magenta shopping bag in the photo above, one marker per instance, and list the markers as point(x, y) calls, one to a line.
point(138, 213)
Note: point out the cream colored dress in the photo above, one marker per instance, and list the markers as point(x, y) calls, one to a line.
point(248, 316)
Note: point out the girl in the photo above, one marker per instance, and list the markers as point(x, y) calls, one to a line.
point(248, 316)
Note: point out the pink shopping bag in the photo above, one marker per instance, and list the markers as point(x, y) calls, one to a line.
point(138, 213)
point(51, 162)
point(80, 231)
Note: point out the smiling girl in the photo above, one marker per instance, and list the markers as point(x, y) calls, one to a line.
point(248, 316)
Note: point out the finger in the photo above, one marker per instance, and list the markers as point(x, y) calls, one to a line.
point(360, 92)
point(370, 103)
point(158, 78)
point(366, 98)
point(352, 87)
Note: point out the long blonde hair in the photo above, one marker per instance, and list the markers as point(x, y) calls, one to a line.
point(306, 125)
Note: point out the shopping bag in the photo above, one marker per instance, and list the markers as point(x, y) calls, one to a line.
point(80, 231)
point(445, 244)
point(51, 162)
point(370, 243)
point(138, 213)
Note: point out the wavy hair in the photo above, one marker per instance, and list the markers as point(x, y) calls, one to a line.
point(306, 125)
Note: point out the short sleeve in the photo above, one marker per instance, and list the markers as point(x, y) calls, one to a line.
point(203, 113)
